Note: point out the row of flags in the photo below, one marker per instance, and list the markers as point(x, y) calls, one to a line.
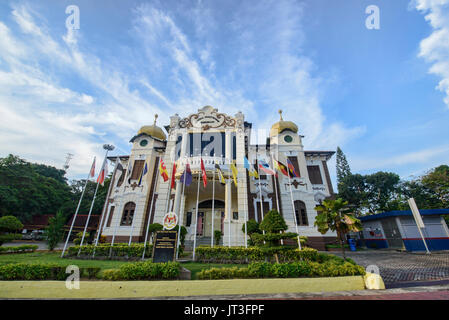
point(187, 178)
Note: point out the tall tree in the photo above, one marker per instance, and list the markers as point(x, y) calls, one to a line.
point(343, 169)
point(437, 180)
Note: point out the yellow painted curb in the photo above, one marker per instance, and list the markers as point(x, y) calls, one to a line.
point(140, 289)
point(373, 281)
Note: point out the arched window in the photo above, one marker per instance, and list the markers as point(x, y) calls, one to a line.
point(301, 213)
point(128, 214)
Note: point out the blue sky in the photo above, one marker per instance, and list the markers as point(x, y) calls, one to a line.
point(381, 95)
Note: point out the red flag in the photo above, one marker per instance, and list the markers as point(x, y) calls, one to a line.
point(163, 170)
point(103, 173)
point(173, 176)
point(92, 169)
point(203, 173)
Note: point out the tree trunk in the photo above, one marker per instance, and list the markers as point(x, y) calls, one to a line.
point(339, 234)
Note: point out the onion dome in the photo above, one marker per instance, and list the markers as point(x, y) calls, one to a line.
point(282, 125)
point(153, 131)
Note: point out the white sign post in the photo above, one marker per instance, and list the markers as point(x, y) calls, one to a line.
point(418, 220)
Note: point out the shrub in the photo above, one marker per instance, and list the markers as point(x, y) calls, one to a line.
point(220, 254)
point(217, 236)
point(10, 224)
point(143, 271)
point(23, 271)
point(135, 250)
point(284, 270)
point(9, 237)
point(54, 231)
point(19, 249)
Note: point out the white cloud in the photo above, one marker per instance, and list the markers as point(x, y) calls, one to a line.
point(435, 48)
point(393, 161)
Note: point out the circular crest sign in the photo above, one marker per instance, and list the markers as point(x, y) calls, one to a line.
point(170, 221)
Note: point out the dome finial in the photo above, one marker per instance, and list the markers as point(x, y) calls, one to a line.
point(155, 118)
point(280, 114)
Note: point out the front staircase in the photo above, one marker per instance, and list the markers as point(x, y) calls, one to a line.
point(199, 241)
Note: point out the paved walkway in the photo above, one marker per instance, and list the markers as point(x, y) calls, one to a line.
point(397, 268)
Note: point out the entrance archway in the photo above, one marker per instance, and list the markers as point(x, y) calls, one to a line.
point(204, 227)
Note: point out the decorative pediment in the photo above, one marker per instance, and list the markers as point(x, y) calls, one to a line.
point(208, 118)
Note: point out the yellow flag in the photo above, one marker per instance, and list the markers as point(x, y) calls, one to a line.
point(220, 174)
point(234, 173)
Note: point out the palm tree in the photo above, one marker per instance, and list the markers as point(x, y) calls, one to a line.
point(334, 215)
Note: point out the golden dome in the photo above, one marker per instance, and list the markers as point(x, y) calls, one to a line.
point(282, 125)
point(153, 131)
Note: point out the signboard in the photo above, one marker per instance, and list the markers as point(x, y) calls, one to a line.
point(164, 247)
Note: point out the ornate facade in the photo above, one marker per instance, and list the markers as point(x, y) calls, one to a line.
point(216, 138)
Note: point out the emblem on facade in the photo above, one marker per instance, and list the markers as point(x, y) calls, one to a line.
point(207, 118)
point(170, 221)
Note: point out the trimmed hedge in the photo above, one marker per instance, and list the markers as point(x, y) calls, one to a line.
point(23, 271)
point(220, 254)
point(135, 250)
point(144, 271)
point(283, 270)
point(19, 249)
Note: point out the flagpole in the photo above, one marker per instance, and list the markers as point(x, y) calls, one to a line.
point(213, 207)
point(230, 213)
point(76, 213)
point(93, 200)
point(260, 189)
point(181, 215)
point(100, 226)
point(113, 235)
point(276, 191)
point(196, 214)
point(275, 186)
point(151, 208)
point(246, 216)
point(293, 207)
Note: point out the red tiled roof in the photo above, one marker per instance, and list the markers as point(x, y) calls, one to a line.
point(38, 221)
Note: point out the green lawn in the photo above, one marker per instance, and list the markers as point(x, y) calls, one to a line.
point(55, 258)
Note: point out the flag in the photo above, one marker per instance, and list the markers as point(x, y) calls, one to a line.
point(144, 172)
point(92, 169)
point(186, 176)
point(220, 174)
point(103, 173)
point(203, 173)
point(173, 176)
point(266, 168)
point(119, 168)
point(163, 170)
point(130, 170)
point(291, 169)
point(251, 171)
point(234, 173)
point(281, 167)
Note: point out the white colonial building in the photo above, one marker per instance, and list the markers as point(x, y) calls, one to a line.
point(216, 138)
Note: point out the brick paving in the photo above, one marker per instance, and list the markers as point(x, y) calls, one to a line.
point(401, 267)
